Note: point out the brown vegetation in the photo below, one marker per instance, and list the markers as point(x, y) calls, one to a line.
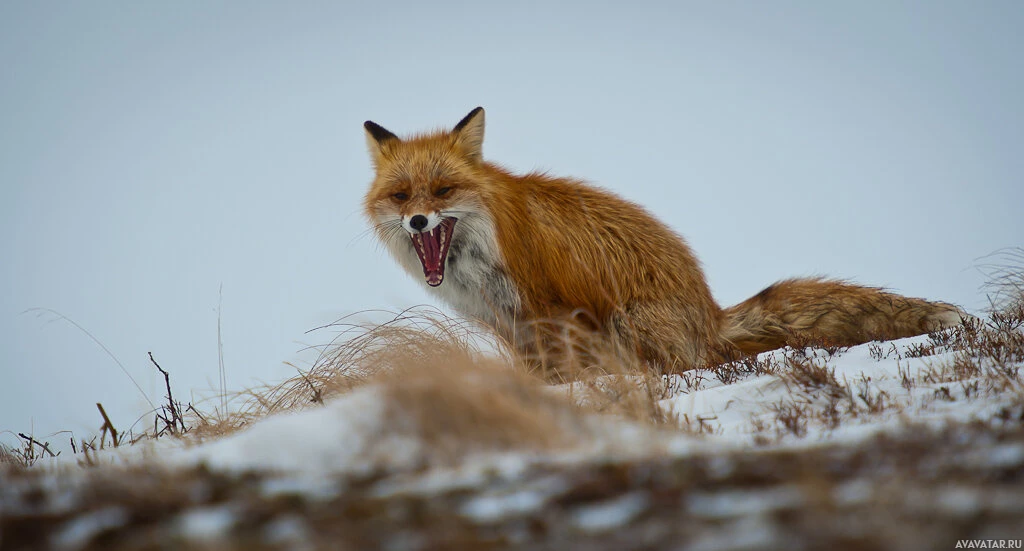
point(460, 393)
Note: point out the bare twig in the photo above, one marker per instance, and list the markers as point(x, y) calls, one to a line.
point(173, 420)
point(196, 411)
point(317, 397)
point(32, 441)
point(107, 426)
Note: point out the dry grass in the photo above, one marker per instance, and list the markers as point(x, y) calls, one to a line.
point(733, 371)
point(30, 451)
point(459, 404)
point(629, 396)
point(357, 355)
point(990, 351)
point(452, 385)
point(812, 377)
point(438, 366)
point(1004, 272)
point(10, 458)
point(461, 392)
point(442, 388)
point(461, 384)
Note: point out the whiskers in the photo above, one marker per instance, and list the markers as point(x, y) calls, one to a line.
point(386, 231)
point(392, 228)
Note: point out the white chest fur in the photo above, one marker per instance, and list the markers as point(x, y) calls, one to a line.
point(475, 283)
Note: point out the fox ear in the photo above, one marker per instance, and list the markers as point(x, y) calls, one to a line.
point(376, 136)
point(469, 134)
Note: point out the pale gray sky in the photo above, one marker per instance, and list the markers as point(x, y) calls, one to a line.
point(150, 152)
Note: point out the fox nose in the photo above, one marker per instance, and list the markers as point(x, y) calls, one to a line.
point(418, 222)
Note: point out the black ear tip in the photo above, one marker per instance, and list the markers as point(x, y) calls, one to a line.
point(465, 120)
point(378, 132)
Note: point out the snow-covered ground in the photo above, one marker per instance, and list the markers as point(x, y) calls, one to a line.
point(733, 460)
point(881, 387)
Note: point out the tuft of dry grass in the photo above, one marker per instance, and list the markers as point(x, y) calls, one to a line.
point(459, 404)
point(442, 388)
point(358, 353)
point(25, 456)
point(361, 350)
point(990, 350)
point(456, 385)
point(1004, 285)
point(811, 376)
point(733, 371)
point(634, 397)
point(10, 458)
point(791, 417)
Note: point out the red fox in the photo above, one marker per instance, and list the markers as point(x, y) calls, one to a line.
point(542, 260)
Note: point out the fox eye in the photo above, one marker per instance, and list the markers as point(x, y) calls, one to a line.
point(443, 191)
point(401, 196)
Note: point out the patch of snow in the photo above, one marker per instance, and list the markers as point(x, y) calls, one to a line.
point(958, 500)
point(332, 438)
point(736, 413)
point(852, 492)
point(747, 533)
point(1004, 456)
point(611, 514)
point(79, 531)
point(525, 498)
point(61, 495)
point(310, 487)
point(490, 508)
point(287, 530)
point(353, 433)
point(207, 523)
point(738, 503)
point(472, 474)
point(728, 407)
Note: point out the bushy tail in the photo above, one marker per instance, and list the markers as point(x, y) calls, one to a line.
point(834, 313)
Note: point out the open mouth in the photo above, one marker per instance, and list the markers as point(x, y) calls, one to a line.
point(432, 248)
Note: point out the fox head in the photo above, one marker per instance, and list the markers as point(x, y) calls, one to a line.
point(423, 185)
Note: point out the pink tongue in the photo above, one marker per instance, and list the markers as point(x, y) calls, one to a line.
point(431, 256)
point(432, 248)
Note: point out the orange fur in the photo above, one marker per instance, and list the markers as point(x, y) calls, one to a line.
point(560, 257)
